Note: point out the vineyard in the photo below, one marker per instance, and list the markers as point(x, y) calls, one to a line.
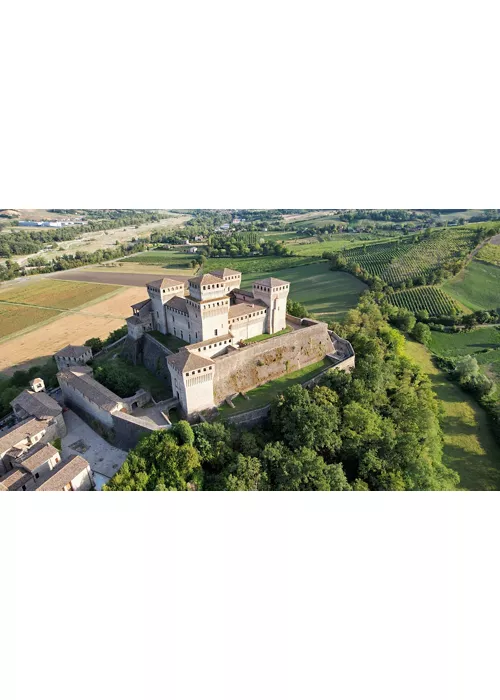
point(431, 299)
point(399, 261)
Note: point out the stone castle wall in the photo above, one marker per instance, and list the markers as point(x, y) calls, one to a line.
point(128, 430)
point(260, 362)
point(148, 352)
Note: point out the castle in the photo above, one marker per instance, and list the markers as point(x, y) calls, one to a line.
point(215, 318)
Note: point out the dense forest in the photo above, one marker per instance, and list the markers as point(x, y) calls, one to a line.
point(375, 429)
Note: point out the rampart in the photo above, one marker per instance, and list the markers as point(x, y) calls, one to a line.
point(128, 430)
point(260, 362)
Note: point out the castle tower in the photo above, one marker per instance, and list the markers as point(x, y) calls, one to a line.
point(232, 278)
point(274, 293)
point(160, 291)
point(208, 307)
point(192, 380)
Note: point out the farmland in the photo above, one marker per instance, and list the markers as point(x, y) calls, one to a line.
point(96, 320)
point(477, 287)
point(399, 261)
point(432, 299)
point(55, 294)
point(483, 343)
point(326, 293)
point(15, 318)
point(489, 253)
point(469, 445)
point(313, 247)
point(257, 265)
point(168, 258)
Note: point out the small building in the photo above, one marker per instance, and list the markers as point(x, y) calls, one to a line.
point(81, 391)
point(74, 474)
point(73, 355)
point(16, 441)
point(193, 249)
point(35, 403)
point(39, 461)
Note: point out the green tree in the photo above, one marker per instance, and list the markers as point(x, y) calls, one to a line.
point(95, 344)
point(301, 470)
point(301, 422)
point(422, 333)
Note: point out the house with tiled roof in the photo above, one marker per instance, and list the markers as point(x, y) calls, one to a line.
point(73, 355)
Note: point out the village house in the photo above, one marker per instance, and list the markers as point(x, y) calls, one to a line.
point(43, 470)
point(72, 355)
point(18, 440)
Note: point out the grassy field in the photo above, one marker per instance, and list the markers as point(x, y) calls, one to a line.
point(263, 266)
point(14, 318)
point(264, 394)
point(469, 446)
point(483, 343)
point(56, 294)
point(32, 345)
point(432, 299)
point(477, 287)
point(489, 253)
point(166, 258)
point(328, 294)
point(307, 247)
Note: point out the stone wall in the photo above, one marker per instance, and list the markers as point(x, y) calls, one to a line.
point(128, 430)
point(260, 362)
point(148, 352)
point(250, 419)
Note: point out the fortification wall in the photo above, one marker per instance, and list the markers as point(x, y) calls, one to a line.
point(148, 352)
point(128, 430)
point(258, 363)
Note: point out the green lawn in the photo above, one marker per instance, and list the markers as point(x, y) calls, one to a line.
point(167, 258)
point(478, 286)
point(304, 247)
point(266, 336)
point(264, 394)
point(327, 293)
point(169, 341)
point(483, 343)
point(469, 445)
point(262, 266)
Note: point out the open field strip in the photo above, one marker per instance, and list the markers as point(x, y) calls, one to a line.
point(469, 445)
point(483, 343)
point(56, 293)
point(326, 293)
point(14, 319)
point(36, 345)
point(136, 268)
point(477, 286)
